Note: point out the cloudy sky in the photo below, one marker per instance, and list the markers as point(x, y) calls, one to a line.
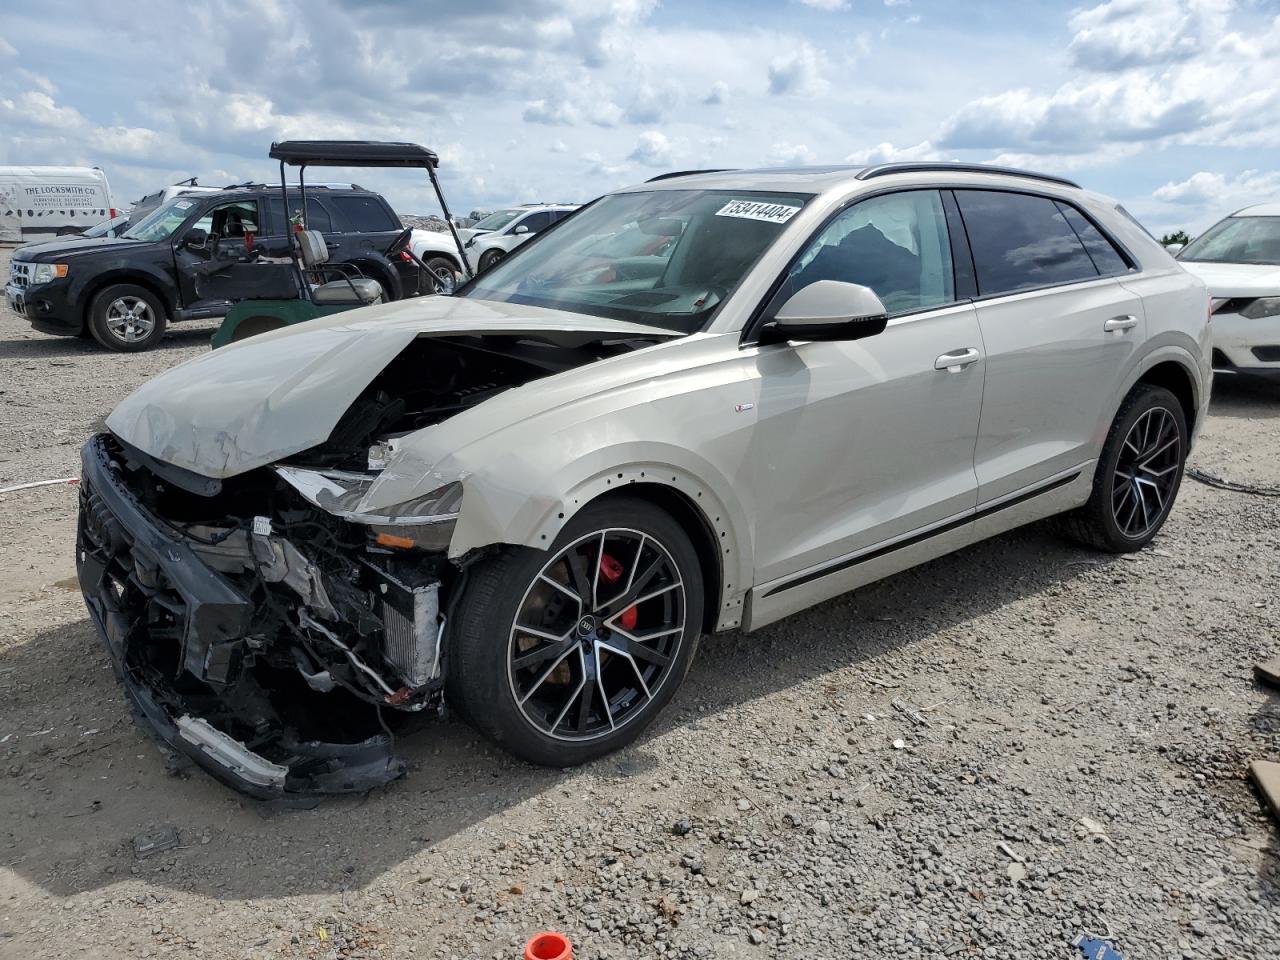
point(1171, 105)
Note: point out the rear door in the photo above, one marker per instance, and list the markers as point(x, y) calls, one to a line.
point(1060, 333)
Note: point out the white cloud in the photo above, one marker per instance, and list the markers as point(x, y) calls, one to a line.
point(828, 5)
point(785, 154)
point(39, 109)
point(653, 101)
point(888, 153)
point(798, 73)
point(1216, 88)
point(718, 93)
point(552, 112)
point(1129, 33)
point(1203, 189)
point(653, 149)
point(558, 146)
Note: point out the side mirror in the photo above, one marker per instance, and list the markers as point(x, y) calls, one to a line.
point(827, 310)
point(196, 239)
point(1173, 249)
point(520, 229)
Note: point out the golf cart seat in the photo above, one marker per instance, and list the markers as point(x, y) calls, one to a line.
point(361, 290)
point(351, 289)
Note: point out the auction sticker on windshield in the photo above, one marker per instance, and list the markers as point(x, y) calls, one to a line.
point(756, 210)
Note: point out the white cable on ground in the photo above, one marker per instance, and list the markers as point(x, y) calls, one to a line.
point(39, 483)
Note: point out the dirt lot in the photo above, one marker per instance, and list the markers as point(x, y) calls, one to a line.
point(1075, 760)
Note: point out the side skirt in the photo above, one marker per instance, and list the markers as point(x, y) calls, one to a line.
point(773, 601)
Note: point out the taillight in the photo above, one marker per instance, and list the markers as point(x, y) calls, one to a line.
point(404, 255)
point(113, 213)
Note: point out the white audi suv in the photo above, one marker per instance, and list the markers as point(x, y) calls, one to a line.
point(699, 404)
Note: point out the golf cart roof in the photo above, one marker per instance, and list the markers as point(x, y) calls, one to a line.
point(352, 153)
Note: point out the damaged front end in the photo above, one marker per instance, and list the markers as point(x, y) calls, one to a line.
point(277, 648)
point(266, 619)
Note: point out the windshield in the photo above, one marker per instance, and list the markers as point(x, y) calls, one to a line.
point(160, 223)
point(1238, 240)
point(104, 228)
point(666, 258)
point(496, 220)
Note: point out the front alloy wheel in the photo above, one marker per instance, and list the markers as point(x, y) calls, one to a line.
point(596, 634)
point(563, 655)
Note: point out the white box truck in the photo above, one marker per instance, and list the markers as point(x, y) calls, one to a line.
point(37, 203)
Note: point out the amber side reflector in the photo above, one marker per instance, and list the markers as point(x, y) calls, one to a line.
point(391, 540)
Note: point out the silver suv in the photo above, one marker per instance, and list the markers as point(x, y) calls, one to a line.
point(700, 404)
point(491, 239)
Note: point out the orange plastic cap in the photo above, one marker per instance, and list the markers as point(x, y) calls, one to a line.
point(548, 945)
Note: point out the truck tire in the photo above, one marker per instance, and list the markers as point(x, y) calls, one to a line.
point(127, 318)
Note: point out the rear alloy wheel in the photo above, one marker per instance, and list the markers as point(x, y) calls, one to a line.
point(596, 635)
point(126, 318)
point(1138, 474)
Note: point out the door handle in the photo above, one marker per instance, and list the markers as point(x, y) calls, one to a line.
point(1118, 324)
point(957, 360)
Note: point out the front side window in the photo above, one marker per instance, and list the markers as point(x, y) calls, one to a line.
point(1021, 241)
point(896, 244)
point(1238, 240)
point(536, 222)
point(667, 258)
point(231, 220)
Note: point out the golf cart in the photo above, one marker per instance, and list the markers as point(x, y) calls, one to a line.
point(284, 290)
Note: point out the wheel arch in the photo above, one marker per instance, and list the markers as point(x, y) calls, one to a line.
point(698, 526)
point(101, 282)
point(1177, 379)
point(719, 530)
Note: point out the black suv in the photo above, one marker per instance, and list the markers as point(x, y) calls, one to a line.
point(125, 290)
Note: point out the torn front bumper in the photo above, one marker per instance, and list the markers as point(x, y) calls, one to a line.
point(147, 590)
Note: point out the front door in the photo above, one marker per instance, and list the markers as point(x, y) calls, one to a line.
point(232, 229)
point(864, 442)
point(1059, 331)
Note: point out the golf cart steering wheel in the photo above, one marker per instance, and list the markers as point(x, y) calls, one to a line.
point(399, 243)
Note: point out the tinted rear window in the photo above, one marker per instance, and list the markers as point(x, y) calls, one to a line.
point(365, 214)
point(1102, 251)
point(1021, 241)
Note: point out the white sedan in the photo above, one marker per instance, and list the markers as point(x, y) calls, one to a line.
point(1238, 258)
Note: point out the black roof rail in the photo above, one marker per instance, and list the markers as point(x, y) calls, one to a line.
point(685, 173)
point(927, 166)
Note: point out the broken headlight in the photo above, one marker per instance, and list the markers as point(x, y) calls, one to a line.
point(426, 522)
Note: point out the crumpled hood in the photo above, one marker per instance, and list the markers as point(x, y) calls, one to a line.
point(271, 396)
point(1236, 279)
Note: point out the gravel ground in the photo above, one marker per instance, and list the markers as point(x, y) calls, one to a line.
point(981, 757)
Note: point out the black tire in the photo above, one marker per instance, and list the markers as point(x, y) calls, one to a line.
point(489, 258)
point(108, 323)
point(438, 267)
point(1101, 522)
point(482, 681)
point(252, 326)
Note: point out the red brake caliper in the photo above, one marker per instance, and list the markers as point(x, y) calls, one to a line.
point(611, 572)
